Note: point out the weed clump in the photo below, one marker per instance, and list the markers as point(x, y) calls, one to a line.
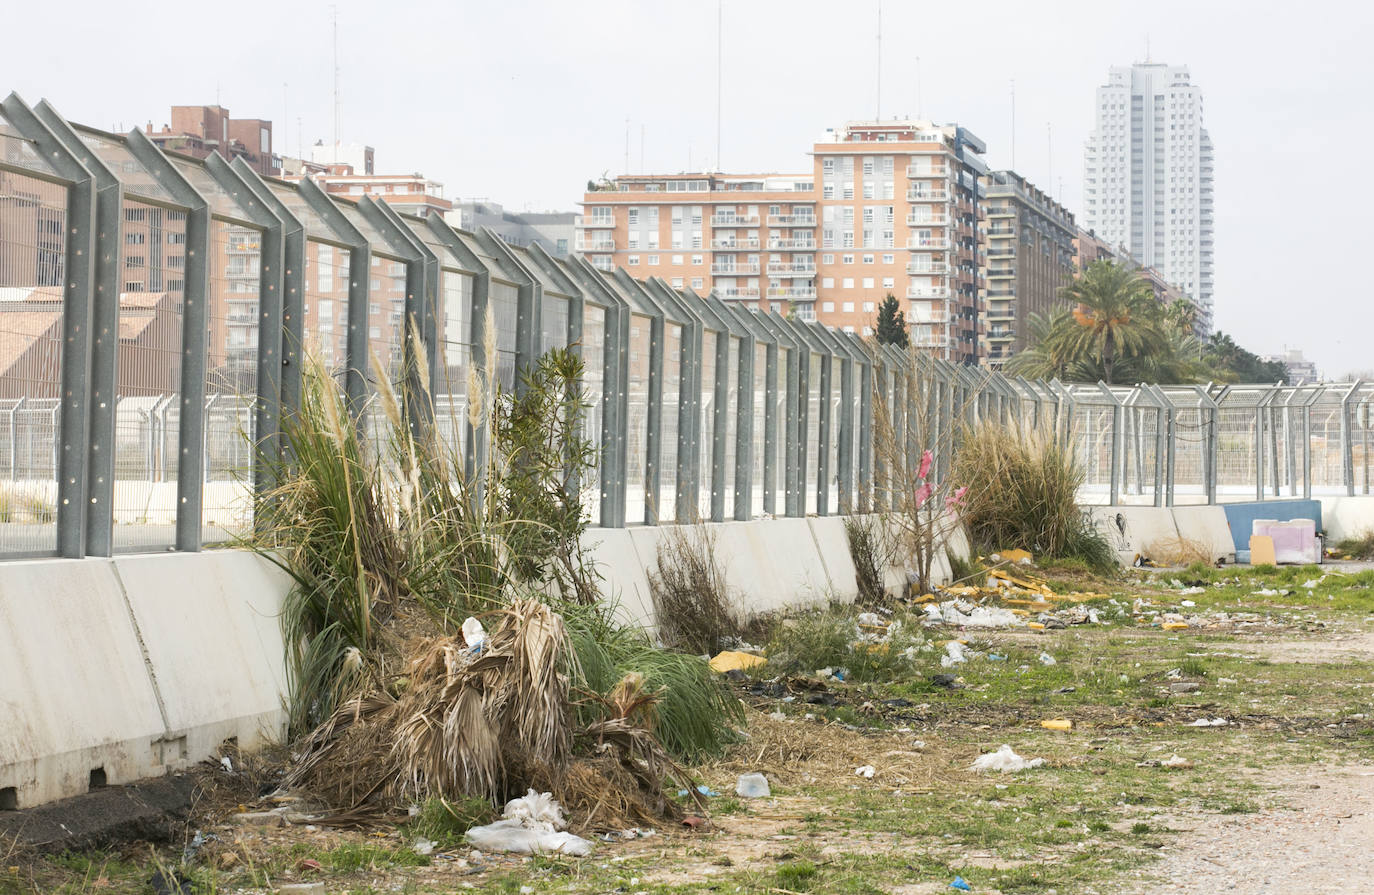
point(687, 586)
point(834, 638)
point(1023, 493)
point(872, 554)
point(1360, 546)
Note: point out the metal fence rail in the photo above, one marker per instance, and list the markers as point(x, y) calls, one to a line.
point(156, 310)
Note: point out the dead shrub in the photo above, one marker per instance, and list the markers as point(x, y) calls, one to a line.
point(691, 603)
point(871, 550)
point(1179, 552)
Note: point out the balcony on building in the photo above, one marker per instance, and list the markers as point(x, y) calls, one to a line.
point(938, 219)
point(785, 269)
point(999, 211)
point(737, 244)
point(734, 220)
point(805, 312)
point(927, 195)
point(1001, 334)
point(919, 292)
point(792, 293)
point(806, 219)
point(1000, 312)
point(927, 242)
point(927, 268)
point(997, 273)
point(732, 268)
point(604, 223)
point(598, 245)
point(1001, 249)
point(792, 245)
point(736, 292)
point(915, 171)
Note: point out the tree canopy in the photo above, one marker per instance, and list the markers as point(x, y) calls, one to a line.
point(891, 329)
point(1112, 329)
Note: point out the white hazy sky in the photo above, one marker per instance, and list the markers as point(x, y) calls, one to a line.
point(523, 101)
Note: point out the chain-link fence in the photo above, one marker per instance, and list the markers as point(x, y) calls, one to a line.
point(156, 313)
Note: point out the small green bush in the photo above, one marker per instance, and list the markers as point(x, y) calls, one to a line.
point(829, 638)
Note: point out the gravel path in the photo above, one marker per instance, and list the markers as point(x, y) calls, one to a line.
point(1321, 841)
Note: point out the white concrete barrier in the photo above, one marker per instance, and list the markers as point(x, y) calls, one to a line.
point(118, 670)
point(1132, 530)
point(75, 696)
point(211, 627)
point(1347, 517)
point(1206, 526)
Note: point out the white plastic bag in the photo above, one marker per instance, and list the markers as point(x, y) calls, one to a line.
point(1005, 760)
point(513, 836)
point(530, 825)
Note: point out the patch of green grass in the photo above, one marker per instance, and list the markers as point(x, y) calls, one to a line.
point(796, 875)
point(350, 857)
point(446, 821)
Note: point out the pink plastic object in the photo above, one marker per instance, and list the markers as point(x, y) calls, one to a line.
point(1294, 542)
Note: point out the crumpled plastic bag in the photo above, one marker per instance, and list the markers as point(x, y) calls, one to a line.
point(1004, 760)
point(530, 825)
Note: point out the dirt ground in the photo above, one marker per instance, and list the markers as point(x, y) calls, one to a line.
point(1319, 841)
point(1278, 798)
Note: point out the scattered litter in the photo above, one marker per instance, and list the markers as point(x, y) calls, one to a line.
point(954, 654)
point(1175, 761)
point(225, 763)
point(1047, 659)
point(530, 825)
point(1184, 687)
point(1187, 604)
point(701, 788)
point(1203, 722)
point(993, 657)
point(1057, 724)
point(423, 846)
point(695, 822)
point(777, 716)
point(1190, 591)
point(732, 660)
point(960, 884)
point(1004, 760)
point(948, 681)
point(473, 634)
point(752, 786)
point(865, 771)
point(626, 835)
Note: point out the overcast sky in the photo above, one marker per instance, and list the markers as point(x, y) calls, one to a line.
point(522, 101)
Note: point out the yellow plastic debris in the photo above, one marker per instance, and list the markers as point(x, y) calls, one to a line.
point(1174, 626)
point(1057, 724)
point(1035, 626)
point(731, 660)
point(1015, 556)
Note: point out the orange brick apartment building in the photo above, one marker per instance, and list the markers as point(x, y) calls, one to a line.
point(889, 207)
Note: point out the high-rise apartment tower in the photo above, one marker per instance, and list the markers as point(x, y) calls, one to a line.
point(1147, 175)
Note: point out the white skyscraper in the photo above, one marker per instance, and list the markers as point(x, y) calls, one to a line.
point(1147, 175)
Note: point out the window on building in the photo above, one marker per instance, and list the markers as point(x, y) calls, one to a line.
point(848, 307)
point(632, 260)
point(849, 282)
point(868, 307)
point(828, 307)
point(677, 259)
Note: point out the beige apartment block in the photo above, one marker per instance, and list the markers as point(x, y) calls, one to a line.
point(888, 207)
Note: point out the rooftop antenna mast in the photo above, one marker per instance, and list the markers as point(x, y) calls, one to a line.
point(335, 10)
point(1013, 124)
point(919, 113)
point(720, 18)
point(879, 116)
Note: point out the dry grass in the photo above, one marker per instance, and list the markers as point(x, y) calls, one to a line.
point(691, 604)
point(1179, 552)
point(1023, 493)
point(799, 751)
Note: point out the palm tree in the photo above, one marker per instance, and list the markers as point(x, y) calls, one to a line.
point(1115, 316)
point(1044, 356)
point(1182, 314)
